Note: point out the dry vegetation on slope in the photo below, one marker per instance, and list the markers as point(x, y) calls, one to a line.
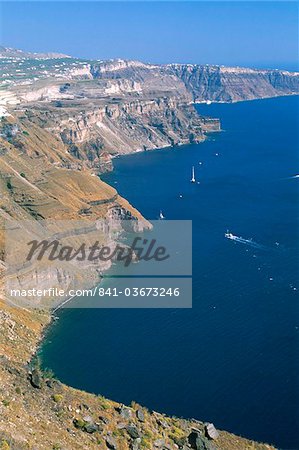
point(38, 412)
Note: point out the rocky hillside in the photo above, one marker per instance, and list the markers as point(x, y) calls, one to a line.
point(38, 412)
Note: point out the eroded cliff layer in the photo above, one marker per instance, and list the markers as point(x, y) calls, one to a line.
point(98, 109)
point(231, 84)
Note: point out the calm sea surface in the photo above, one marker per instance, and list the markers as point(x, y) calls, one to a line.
point(232, 358)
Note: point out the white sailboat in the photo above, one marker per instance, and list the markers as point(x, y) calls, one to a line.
point(193, 180)
point(161, 217)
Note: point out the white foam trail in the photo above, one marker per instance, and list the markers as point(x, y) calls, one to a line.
point(249, 242)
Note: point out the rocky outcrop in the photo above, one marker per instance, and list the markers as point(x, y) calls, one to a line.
point(93, 133)
point(47, 414)
point(126, 127)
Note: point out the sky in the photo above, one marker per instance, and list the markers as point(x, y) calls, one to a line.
point(255, 34)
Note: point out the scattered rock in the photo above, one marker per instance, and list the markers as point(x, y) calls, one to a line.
point(36, 379)
point(50, 383)
point(199, 442)
point(86, 424)
point(84, 406)
point(104, 419)
point(159, 443)
point(87, 419)
point(135, 445)
point(111, 443)
point(125, 412)
point(162, 423)
point(78, 423)
point(72, 432)
point(91, 428)
point(133, 431)
point(140, 415)
point(211, 431)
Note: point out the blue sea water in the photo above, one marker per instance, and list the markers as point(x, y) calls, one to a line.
point(233, 358)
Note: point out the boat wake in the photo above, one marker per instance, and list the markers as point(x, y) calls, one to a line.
point(244, 241)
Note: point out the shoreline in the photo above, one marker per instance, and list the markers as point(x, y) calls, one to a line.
point(204, 102)
point(66, 301)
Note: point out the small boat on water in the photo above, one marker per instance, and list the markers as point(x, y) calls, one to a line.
point(233, 237)
point(229, 235)
point(242, 240)
point(161, 217)
point(193, 180)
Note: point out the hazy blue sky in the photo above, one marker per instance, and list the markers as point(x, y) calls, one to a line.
point(245, 33)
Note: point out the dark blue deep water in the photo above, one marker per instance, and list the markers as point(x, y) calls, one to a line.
point(232, 358)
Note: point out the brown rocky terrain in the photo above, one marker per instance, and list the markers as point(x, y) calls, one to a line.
point(62, 121)
point(39, 412)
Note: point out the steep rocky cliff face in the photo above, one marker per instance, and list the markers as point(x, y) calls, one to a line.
point(105, 108)
point(129, 126)
point(202, 82)
point(93, 131)
point(225, 84)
